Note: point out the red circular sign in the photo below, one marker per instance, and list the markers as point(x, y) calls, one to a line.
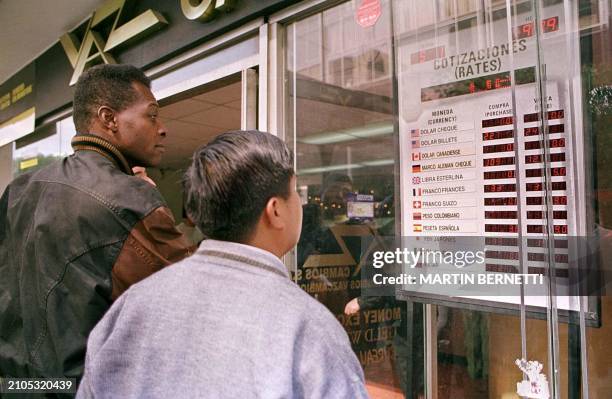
point(368, 13)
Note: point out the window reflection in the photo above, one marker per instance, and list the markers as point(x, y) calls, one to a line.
point(341, 85)
point(43, 147)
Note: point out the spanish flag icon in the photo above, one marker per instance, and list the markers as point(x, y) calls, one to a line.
point(418, 228)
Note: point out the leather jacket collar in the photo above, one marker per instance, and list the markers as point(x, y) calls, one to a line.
point(90, 142)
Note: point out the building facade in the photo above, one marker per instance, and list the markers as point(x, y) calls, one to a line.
point(429, 120)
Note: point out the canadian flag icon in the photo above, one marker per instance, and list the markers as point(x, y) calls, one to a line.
point(416, 156)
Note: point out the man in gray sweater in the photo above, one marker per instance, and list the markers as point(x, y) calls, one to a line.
point(227, 322)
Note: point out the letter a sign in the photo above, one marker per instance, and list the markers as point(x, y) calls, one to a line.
point(94, 49)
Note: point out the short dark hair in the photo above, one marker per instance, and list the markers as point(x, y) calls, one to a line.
point(231, 179)
point(105, 84)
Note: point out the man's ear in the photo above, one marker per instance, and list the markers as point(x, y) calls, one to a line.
point(273, 213)
point(107, 117)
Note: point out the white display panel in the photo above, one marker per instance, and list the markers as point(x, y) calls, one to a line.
point(471, 165)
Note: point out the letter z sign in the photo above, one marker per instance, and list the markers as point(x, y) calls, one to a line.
point(94, 49)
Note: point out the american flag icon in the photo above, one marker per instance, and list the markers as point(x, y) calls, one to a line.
point(416, 143)
point(414, 133)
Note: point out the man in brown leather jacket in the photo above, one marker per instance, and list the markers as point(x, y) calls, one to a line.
point(76, 234)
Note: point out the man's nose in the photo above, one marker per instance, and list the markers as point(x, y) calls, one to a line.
point(162, 129)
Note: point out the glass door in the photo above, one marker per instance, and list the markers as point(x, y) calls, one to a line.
point(472, 122)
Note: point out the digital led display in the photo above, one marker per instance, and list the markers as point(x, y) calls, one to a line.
point(560, 171)
point(552, 143)
point(527, 30)
point(501, 228)
point(502, 241)
point(499, 174)
point(499, 188)
point(488, 149)
point(542, 214)
point(556, 199)
point(505, 120)
point(560, 157)
point(506, 255)
point(503, 201)
point(550, 115)
point(539, 229)
point(498, 161)
point(501, 214)
point(552, 129)
point(501, 134)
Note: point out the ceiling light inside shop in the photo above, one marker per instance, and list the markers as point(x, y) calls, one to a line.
point(333, 168)
point(355, 133)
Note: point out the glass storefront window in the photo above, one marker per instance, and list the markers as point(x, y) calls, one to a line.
point(454, 118)
point(342, 117)
point(43, 146)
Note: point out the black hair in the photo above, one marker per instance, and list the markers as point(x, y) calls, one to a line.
point(231, 179)
point(105, 84)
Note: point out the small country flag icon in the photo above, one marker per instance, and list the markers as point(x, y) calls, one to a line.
point(418, 228)
point(416, 216)
point(414, 133)
point(416, 180)
point(417, 204)
point(416, 156)
point(416, 192)
point(416, 168)
point(416, 144)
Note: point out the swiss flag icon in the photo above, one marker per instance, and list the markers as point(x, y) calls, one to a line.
point(416, 204)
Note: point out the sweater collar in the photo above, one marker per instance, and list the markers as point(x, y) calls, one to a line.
point(242, 253)
point(90, 142)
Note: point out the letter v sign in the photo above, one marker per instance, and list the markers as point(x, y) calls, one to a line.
point(134, 29)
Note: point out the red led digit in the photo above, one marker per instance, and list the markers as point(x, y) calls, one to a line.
point(550, 24)
point(558, 171)
point(558, 114)
point(560, 200)
point(557, 143)
point(534, 228)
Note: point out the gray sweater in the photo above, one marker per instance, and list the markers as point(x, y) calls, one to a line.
point(225, 323)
